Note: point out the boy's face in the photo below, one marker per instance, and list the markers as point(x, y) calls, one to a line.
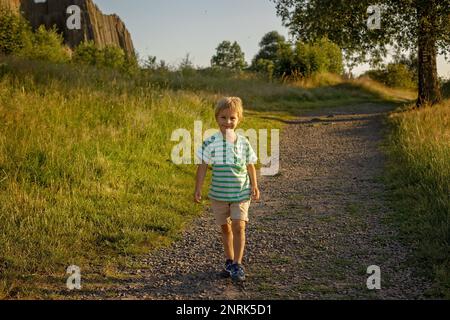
point(227, 120)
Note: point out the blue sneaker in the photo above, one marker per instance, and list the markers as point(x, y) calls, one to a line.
point(228, 267)
point(237, 272)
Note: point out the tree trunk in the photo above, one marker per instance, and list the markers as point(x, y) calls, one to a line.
point(429, 91)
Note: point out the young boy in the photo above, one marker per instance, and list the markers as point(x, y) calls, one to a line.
point(233, 183)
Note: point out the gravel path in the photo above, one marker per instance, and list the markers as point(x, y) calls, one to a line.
point(317, 228)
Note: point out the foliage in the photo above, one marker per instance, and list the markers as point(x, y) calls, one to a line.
point(320, 56)
point(345, 23)
point(396, 75)
point(229, 55)
point(276, 57)
point(15, 33)
point(445, 87)
point(270, 45)
point(110, 56)
point(47, 45)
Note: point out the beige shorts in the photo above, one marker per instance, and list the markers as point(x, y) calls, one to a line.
point(224, 212)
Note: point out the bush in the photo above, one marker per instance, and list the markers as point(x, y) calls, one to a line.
point(15, 33)
point(396, 75)
point(110, 56)
point(318, 57)
point(17, 38)
point(47, 45)
point(399, 76)
point(87, 53)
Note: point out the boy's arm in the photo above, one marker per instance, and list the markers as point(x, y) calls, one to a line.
point(252, 173)
point(200, 177)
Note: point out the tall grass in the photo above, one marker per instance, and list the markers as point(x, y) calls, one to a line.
point(419, 175)
point(86, 173)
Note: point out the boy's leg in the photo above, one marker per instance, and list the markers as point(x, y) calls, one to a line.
point(238, 227)
point(221, 212)
point(227, 239)
point(239, 217)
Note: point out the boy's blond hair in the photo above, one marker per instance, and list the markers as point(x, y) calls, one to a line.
point(233, 103)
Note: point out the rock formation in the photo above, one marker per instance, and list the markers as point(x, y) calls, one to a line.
point(96, 26)
point(10, 4)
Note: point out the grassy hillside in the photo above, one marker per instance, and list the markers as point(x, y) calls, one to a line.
point(85, 170)
point(419, 177)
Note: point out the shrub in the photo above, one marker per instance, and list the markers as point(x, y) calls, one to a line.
point(110, 56)
point(15, 33)
point(87, 53)
point(47, 45)
point(396, 75)
point(318, 57)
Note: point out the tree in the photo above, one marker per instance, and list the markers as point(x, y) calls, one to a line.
point(269, 46)
point(229, 56)
point(417, 25)
point(275, 56)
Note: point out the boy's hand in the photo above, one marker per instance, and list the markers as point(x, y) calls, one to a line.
point(197, 196)
point(255, 193)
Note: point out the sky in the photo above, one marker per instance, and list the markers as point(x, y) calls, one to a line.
point(170, 29)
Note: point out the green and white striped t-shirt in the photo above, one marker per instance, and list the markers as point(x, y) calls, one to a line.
point(230, 180)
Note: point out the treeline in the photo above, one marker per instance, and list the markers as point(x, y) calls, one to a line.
point(276, 58)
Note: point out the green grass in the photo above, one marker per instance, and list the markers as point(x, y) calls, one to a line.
point(86, 176)
point(419, 178)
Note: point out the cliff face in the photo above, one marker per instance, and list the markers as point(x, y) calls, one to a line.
point(96, 26)
point(10, 4)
